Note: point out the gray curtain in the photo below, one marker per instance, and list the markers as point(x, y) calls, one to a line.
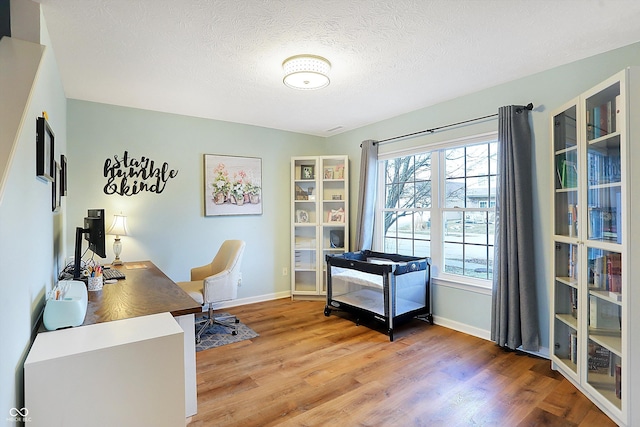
point(514, 320)
point(367, 195)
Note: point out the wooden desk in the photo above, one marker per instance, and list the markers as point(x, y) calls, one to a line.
point(147, 290)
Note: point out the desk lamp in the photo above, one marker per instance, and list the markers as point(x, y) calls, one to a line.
point(118, 228)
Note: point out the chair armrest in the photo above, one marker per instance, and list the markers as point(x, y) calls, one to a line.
point(219, 287)
point(200, 273)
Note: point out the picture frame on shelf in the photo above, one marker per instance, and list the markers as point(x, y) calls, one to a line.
point(301, 194)
point(307, 172)
point(232, 185)
point(302, 216)
point(45, 144)
point(335, 215)
point(328, 173)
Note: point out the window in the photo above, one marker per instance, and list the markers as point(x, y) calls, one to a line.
point(441, 204)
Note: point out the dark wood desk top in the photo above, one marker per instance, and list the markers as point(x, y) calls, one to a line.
point(146, 290)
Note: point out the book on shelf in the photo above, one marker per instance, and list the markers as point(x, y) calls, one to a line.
point(573, 347)
point(606, 271)
point(601, 120)
point(602, 223)
point(599, 359)
point(604, 167)
point(569, 174)
point(573, 296)
point(614, 272)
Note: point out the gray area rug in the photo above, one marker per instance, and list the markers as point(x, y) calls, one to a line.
point(217, 335)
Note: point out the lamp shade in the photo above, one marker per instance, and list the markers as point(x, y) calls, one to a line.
point(119, 226)
point(306, 72)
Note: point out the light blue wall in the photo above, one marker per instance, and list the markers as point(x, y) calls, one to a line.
point(31, 236)
point(170, 228)
point(547, 91)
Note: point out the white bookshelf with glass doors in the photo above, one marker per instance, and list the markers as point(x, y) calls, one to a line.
point(594, 304)
point(319, 219)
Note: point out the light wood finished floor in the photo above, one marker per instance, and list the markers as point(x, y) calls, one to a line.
point(306, 369)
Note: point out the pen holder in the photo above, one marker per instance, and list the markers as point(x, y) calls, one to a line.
point(95, 283)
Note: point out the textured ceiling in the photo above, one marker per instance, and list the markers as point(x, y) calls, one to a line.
point(222, 59)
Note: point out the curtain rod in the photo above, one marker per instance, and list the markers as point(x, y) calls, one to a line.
point(529, 107)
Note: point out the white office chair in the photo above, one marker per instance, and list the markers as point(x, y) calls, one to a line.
point(217, 282)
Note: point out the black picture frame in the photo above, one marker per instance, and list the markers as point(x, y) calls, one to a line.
point(307, 172)
point(55, 194)
point(45, 145)
point(63, 175)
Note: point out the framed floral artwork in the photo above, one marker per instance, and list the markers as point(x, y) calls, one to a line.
point(232, 185)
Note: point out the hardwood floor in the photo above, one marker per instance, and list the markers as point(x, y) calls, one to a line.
point(306, 369)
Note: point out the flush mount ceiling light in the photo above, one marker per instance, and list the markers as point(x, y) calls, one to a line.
point(306, 72)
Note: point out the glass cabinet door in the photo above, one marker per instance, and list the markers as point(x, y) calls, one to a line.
point(603, 166)
point(604, 243)
point(604, 352)
point(566, 304)
point(567, 172)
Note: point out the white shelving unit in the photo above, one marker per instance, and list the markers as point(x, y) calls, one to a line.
point(319, 219)
point(594, 304)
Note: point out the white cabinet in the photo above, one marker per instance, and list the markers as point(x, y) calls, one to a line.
point(594, 303)
point(122, 373)
point(319, 219)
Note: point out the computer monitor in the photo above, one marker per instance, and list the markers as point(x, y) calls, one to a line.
point(93, 232)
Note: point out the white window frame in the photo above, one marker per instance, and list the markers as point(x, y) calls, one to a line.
point(440, 277)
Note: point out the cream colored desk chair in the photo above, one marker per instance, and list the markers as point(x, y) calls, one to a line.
point(217, 282)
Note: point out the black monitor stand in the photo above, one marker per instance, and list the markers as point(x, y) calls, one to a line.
point(78, 253)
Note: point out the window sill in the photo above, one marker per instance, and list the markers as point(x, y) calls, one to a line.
point(484, 287)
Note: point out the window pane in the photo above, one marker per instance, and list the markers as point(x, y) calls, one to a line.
point(390, 246)
point(454, 193)
point(477, 191)
point(478, 160)
point(476, 261)
point(423, 194)
point(423, 167)
point(407, 196)
point(405, 225)
point(475, 229)
point(390, 171)
point(454, 258)
point(493, 158)
point(405, 247)
point(492, 191)
point(454, 163)
point(392, 196)
point(391, 225)
point(423, 225)
point(422, 248)
point(453, 231)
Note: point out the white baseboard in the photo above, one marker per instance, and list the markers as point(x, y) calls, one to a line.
point(250, 300)
point(438, 320)
point(462, 327)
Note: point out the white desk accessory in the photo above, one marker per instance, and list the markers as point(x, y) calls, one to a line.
point(67, 305)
